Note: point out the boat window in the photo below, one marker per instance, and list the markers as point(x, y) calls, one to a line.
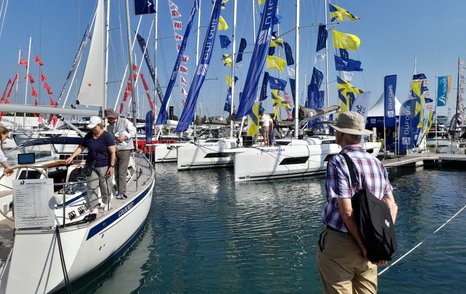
point(294, 160)
point(218, 154)
point(31, 174)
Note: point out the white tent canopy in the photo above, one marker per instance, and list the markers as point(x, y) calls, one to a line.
point(378, 108)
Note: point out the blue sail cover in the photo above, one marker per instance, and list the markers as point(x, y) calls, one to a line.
point(259, 54)
point(201, 71)
point(162, 117)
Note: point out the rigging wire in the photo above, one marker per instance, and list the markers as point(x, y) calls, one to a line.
point(420, 243)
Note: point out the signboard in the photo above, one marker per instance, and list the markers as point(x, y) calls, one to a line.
point(33, 205)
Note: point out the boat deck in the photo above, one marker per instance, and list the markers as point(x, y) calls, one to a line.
point(6, 239)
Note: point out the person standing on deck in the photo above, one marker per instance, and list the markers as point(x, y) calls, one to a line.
point(265, 127)
point(341, 256)
point(123, 131)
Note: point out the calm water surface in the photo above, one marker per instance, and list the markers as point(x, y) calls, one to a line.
point(206, 234)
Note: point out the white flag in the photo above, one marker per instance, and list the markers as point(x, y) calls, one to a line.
point(361, 104)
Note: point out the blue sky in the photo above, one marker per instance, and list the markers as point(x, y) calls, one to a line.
point(392, 33)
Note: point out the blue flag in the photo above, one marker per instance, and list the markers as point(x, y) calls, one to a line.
point(277, 84)
point(321, 38)
point(389, 101)
point(265, 81)
point(227, 106)
point(224, 41)
point(258, 58)
point(407, 127)
point(346, 64)
point(344, 53)
point(162, 117)
point(313, 93)
point(443, 90)
point(242, 46)
point(144, 7)
point(148, 126)
point(201, 71)
point(288, 54)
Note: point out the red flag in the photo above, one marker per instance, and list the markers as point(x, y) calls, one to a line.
point(185, 58)
point(178, 47)
point(178, 37)
point(135, 67)
point(23, 62)
point(183, 101)
point(34, 93)
point(171, 4)
point(38, 61)
point(183, 80)
point(52, 102)
point(177, 25)
point(175, 13)
point(146, 87)
point(42, 76)
point(54, 120)
point(49, 90)
point(41, 121)
point(31, 79)
point(121, 107)
point(183, 69)
point(12, 85)
point(4, 92)
point(183, 91)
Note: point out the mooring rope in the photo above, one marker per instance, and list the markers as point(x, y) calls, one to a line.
point(420, 243)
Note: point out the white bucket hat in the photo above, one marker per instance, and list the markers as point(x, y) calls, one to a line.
point(351, 123)
point(95, 120)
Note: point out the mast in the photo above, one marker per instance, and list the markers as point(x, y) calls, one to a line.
point(107, 26)
point(296, 123)
point(130, 60)
point(156, 36)
point(232, 123)
point(327, 87)
point(27, 80)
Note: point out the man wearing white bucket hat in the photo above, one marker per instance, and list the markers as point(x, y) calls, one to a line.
point(341, 256)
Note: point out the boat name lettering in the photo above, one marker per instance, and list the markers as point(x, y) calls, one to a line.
point(125, 209)
point(273, 150)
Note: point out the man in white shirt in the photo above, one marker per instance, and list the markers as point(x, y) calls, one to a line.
point(265, 129)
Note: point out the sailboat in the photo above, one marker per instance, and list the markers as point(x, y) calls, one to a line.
point(292, 157)
point(50, 240)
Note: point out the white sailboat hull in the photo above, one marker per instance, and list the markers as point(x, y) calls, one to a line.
point(206, 154)
point(300, 158)
point(167, 152)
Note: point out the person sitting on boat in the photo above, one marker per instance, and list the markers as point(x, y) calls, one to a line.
point(7, 171)
point(265, 127)
point(100, 163)
point(123, 131)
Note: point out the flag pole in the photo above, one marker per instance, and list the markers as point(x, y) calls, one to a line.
point(232, 122)
point(296, 104)
point(27, 80)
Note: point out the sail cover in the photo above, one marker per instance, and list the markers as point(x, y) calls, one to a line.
point(92, 89)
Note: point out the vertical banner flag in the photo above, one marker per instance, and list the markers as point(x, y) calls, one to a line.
point(408, 124)
point(201, 71)
point(389, 101)
point(259, 54)
point(142, 44)
point(443, 90)
point(148, 126)
point(162, 117)
point(144, 7)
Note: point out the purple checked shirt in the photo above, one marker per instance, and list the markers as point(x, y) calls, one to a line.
point(370, 172)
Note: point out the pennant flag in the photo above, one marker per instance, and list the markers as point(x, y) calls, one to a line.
point(224, 41)
point(223, 4)
point(177, 25)
point(322, 38)
point(52, 102)
point(276, 42)
point(228, 80)
point(345, 41)
point(222, 24)
point(258, 58)
point(175, 13)
point(338, 13)
point(34, 93)
point(288, 54)
point(275, 62)
point(187, 115)
point(31, 79)
point(183, 80)
point(443, 90)
point(49, 90)
point(242, 46)
point(183, 69)
point(178, 37)
point(171, 4)
point(227, 61)
point(265, 81)
point(163, 115)
point(346, 64)
point(291, 72)
point(23, 62)
point(144, 7)
point(277, 84)
point(38, 61)
point(184, 92)
point(185, 58)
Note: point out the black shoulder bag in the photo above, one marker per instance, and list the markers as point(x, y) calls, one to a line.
point(373, 220)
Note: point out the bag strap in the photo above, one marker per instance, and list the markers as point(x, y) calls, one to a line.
point(350, 164)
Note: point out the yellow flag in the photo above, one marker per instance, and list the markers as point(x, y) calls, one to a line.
point(228, 79)
point(416, 87)
point(222, 24)
point(275, 42)
point(338, 13)
point(227, 61)
point(261, 2)
point(345, 41)
point(253, 121)
point(275, 62)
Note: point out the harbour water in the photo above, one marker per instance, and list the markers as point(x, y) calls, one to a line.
point(206, 234)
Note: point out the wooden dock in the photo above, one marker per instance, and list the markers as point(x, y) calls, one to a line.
point(424, 158)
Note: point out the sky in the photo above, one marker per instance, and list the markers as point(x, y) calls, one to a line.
point(393, 34)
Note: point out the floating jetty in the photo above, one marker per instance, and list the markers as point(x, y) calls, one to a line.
point(420, 159)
